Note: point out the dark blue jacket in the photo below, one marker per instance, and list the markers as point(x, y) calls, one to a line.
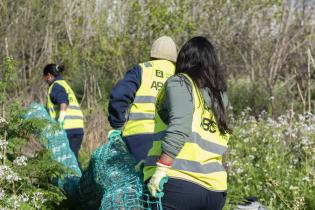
point(58, 96)
point(121, 97)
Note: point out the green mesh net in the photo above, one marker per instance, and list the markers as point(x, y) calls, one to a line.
point(56, 141)
point(110, 181)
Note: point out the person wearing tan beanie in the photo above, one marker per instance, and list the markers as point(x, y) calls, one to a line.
point(132, 100)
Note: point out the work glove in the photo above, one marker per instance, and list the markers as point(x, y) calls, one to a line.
point(61, 118)
point(61, 123)
point(139, 166)
point(157, 181)
point(112, 134)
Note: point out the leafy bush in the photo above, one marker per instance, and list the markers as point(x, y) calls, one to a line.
point(244, 93)
point(25, 182)
point(273, 160)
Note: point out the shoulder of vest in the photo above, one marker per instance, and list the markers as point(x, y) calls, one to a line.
point(61, 82)
point(147, 64)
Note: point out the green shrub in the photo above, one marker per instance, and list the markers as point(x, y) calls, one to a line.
point(25, 183)
point(244, 93)
point(273, 160)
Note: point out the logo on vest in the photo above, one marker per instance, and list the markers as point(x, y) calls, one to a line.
point(208, 125)
point(156, 85)
point(159, 73)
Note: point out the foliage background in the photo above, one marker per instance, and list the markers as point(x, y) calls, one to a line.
point(265, 48)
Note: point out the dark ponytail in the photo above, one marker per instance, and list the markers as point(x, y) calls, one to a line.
point(53, 69)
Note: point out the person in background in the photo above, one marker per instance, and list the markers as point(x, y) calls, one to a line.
point(63, 106)
point(184, 167)
point(131, 105)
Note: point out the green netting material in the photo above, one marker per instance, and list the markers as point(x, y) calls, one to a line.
point(56, 141)
point(110, 181)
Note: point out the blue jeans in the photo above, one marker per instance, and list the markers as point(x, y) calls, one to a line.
point(184, 195)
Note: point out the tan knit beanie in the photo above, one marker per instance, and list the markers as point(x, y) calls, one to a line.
point(164, 48)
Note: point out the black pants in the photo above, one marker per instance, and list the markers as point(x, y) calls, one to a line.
point(183, 195)
point(139, 145)
point(75, 141)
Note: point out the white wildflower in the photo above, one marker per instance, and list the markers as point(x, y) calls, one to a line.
point(239, 171)
point(243, 114)
point(301, 118)
point(12, 177)
point(23, 198)
point(20, 161)
point(306, 140)
point(248, 109)
point(271, 122)
point(307, 128)
point(2, 120)
point(2, 156)
point(2, 194)
point(306, 178)
point(268, 158)
point(3, 144)
point(38, 198)
point(8, 174)
point(4, 169)
point(16, 204)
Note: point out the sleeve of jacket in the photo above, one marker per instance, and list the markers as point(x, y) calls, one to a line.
point(59, 95)
point(179, 102)
point(122, 95)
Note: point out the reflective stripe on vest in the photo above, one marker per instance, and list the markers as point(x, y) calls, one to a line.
point(144, 99)
point(189, 165)
point(140, 116)
point(74, 116)
point(200, 159)
point(142, 110)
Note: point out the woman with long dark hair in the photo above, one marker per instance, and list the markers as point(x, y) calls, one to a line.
point(63, 106)
point(184, 167)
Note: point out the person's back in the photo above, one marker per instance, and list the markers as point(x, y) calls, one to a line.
point(132, 100)
point(185, 168)
point(63, 106)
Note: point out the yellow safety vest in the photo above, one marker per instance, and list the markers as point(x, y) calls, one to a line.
point(74, 116)
point(142, 110)
point(200, 159)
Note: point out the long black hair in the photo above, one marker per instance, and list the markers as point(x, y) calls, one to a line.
point(198, 59)
point(53, 69)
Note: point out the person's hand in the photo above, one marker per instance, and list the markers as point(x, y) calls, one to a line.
point(113, 133)
point(157, 181)
point(61, 118)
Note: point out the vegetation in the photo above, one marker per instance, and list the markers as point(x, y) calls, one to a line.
point(266, 49)
point(273, 159)
point(26, 170)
